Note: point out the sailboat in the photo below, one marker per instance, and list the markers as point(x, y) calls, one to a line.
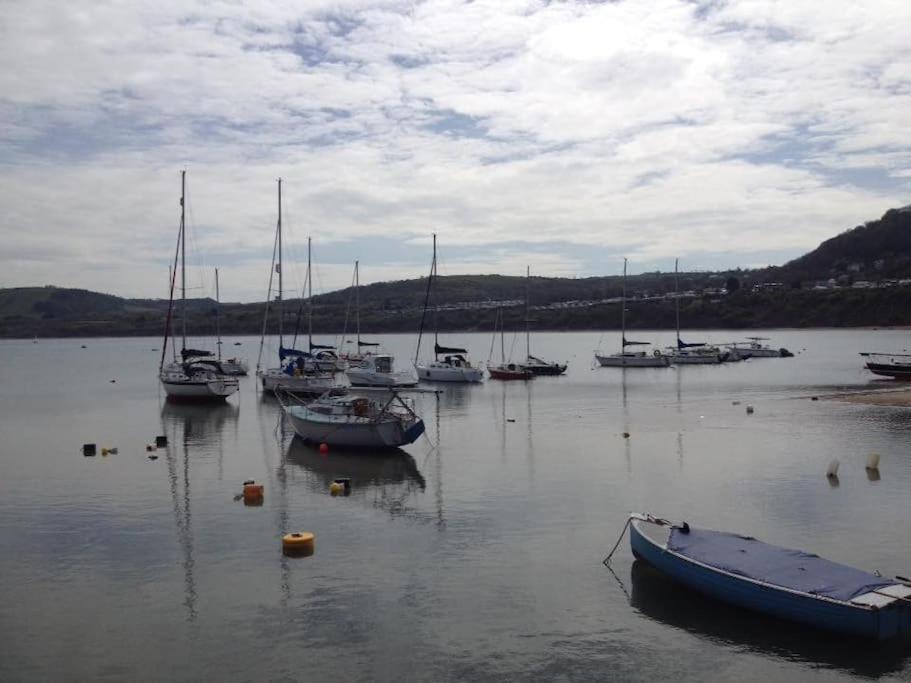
point(691, 353)
point(455, 366)
point(230, 366)
point(533, 363)
point(630, 359)
point(374, 369)
point(358, 355)
point(505, 370)
point(295, 372)
point(323, 357)
point(198, 375)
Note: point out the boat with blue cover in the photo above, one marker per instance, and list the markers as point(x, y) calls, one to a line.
point(785, 583)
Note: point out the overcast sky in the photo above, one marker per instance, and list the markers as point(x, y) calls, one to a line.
point(564, 135)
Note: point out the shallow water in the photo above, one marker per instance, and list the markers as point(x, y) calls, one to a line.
point(474, 554)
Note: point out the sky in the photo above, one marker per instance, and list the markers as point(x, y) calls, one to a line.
point(561, 135)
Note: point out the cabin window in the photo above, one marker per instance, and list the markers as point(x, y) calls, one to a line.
point(384, 364)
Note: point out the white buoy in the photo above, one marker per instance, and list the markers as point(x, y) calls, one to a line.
point(832, 471)
point(873, 461)
point(749, 410)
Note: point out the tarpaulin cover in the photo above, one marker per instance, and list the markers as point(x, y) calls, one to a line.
point(793, 569)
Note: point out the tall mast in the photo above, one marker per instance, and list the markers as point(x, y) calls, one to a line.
point(309, 298)
point(677, 300)
point(357, 303)
point(502, 341)
point(183, 256)
point(436, 315)
point(527, 333)
point(278, 267)
point(217, 315)
point(623, 311)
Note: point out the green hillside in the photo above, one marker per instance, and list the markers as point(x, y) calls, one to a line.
point(870, 264)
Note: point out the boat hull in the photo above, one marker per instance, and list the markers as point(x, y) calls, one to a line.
point(354, 433)
point(777, 602)
point(505, 374)
point(303, 385)
point(546, 369)
point(706, 359)
point(369, 378)
point(439, 372)
point(200, 390)
point(886, 370)
point(616, 361)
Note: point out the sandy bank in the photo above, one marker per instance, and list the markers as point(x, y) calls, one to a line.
point(881, 397)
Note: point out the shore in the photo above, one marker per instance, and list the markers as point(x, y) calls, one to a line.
point(900, 397)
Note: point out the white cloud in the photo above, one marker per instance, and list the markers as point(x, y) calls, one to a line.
point(658, 129)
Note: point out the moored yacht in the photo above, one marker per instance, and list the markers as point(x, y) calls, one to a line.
point(630, 359)
point(454, 366)
point(378, 370)
point(198, 375)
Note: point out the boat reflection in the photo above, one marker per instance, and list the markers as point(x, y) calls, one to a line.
point(387, 479)
point(665, 601)
point(198, 423)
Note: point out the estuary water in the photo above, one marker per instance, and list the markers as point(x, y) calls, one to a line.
point(474, 554)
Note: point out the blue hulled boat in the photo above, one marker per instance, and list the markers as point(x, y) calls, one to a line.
point(785, 583)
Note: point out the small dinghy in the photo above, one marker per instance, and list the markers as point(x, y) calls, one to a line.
point(785, 583)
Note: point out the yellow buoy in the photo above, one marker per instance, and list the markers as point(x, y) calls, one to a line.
point(336, 488)
point(298, 543)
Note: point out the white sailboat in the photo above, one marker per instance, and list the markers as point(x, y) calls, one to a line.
point(754, 348)
point(355, 357)
point(505, 370)
point(296, 372)
point(631, 359)
point(691, 353)
point(455, 365)
point(351, 420)
point(198, 375)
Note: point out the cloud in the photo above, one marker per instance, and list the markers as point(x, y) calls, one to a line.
point(562, 134)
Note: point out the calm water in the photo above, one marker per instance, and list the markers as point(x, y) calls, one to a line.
point(476, 555)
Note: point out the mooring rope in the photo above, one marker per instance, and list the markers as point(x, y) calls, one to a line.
point(606, 560)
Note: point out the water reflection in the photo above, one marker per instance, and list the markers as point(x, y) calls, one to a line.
point(665, 601)
point(386, 479)
point(199, 424)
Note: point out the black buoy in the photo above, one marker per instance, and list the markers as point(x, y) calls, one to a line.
point(161, 441)
point(89, 449)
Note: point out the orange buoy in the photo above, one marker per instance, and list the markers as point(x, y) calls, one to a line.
point(253, 494)
point(324, 448)
point(299, 543)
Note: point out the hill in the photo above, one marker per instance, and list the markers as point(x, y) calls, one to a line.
point(860, 277)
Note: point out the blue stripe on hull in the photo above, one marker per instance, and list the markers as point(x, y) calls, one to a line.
point(884, 623)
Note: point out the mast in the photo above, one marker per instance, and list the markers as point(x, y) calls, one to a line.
point(677, 299)
point(183, 256)
point(502, 341)
point(309, 298)
point(278, 267)
point(436, 315)
point(433, 267)
point(623, 311)
point(217, 315)
point(527, 333)
point(357, 304)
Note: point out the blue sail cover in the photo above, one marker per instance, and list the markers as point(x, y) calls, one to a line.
point(792, 569)
point(284, 353)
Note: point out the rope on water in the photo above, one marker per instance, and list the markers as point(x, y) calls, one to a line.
point(606, 560)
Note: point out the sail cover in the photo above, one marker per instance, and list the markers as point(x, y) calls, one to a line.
point(194, 353)
point(685, 345)
point(363, 343)
point(447, 349)
point(320, 346)
point(791, 569)
point(627, 342)
point(284, 353)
